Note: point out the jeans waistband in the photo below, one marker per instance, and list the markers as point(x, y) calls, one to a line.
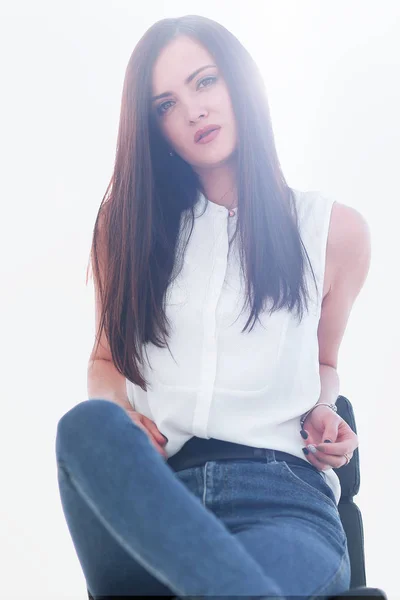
point(197, 451)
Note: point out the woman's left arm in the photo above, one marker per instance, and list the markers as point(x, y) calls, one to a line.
point(349, 247)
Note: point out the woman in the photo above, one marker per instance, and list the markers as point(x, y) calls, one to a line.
point(197, 220)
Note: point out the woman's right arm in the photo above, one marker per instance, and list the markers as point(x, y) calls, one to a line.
point(105, 382)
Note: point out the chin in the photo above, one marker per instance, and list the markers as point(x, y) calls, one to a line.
point(219, 157)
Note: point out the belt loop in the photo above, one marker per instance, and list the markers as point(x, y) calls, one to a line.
point(265, 453)
point(260, 452)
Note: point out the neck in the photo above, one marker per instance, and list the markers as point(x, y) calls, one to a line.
point(219, 185)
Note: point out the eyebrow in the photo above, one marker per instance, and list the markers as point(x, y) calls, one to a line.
point(187, 80)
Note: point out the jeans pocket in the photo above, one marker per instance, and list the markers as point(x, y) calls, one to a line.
point(311, 480)
point(316, 496)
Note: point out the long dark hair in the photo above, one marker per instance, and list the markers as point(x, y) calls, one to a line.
point(137, 226)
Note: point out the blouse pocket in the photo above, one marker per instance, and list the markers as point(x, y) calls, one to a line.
point(176, 295)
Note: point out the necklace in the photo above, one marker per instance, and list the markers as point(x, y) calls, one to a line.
point(231, 211)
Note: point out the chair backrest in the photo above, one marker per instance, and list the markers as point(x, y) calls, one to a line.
point(350, 514)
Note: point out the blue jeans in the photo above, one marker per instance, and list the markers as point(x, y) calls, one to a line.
point(262, 528)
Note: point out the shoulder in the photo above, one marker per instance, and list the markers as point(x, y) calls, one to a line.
point(349, 242)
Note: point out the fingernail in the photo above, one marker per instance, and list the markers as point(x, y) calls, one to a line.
point(305, 451)
point(327, 442)
point(312, 448)
point(304, 434)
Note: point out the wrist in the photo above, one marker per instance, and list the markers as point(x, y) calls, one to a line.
point(331, 406)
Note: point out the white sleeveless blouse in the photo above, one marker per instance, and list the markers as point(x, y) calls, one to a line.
point(248, 388)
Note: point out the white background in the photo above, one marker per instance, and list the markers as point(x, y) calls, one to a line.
point(332, 74)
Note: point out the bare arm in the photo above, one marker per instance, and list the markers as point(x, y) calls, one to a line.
point(106, 382)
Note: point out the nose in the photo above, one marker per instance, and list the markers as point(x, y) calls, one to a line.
point(193, 119)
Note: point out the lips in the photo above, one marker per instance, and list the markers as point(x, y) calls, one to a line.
point(201, 132)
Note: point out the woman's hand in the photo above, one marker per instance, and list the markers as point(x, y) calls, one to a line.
point(324, 424)
point(151, 429)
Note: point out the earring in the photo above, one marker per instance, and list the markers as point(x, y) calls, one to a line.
point(171, 153)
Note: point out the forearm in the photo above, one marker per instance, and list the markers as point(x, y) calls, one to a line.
point(330, 384)
point(106, 382)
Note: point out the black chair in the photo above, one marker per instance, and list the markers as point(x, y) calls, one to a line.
point(351, 518)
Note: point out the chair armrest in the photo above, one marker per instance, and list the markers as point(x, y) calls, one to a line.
point(349, 475)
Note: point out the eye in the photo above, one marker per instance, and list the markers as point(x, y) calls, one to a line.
point(213, 79)
point(162, 108)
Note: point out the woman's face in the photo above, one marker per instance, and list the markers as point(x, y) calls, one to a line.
point(190, 105)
